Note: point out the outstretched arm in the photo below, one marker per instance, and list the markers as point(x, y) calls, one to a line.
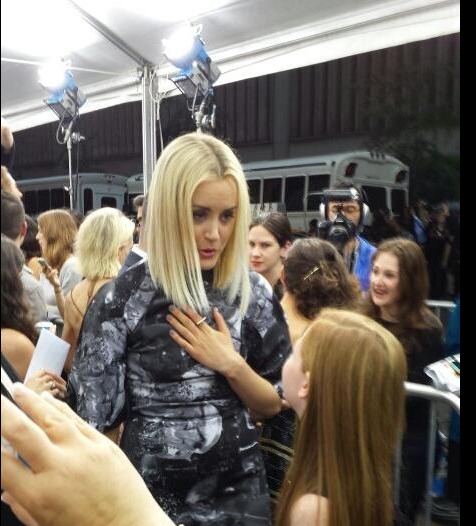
point(72, 466)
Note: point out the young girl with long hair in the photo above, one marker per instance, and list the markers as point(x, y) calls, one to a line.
point(397, 300)
point(314, 276)
point(345, 380)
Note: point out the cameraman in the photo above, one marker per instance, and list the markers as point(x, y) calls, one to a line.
point(344, 211)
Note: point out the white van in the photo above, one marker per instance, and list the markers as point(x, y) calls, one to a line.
point(295, 185)
point(93, 190)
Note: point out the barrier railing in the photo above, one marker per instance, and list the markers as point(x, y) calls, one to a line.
point(437, 305)
point(433, 395)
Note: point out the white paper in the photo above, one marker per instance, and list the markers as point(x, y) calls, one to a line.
point(444, 375)
point(50, 354)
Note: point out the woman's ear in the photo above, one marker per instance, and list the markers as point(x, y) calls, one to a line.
point(281, 277)
point(303, 392)
point(285, 248)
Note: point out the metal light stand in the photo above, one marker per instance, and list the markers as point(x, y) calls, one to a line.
point(204, 121)
point(71, 137)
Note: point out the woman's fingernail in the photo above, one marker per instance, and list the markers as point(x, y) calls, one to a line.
point(172, 308)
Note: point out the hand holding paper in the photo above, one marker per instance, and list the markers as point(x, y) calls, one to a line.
point(50, 354)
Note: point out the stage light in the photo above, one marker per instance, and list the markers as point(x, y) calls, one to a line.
point(186, 51)
point(65, 97)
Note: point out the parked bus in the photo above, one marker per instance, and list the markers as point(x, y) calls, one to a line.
point(94, 190)
point(295, 185)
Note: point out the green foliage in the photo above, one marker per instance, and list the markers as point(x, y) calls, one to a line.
point(411, 118)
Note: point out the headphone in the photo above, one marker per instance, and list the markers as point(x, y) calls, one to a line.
point(365, 213)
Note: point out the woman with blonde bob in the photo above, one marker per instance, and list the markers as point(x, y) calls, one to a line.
point(345, 379)
point(181, 347)
point(103, 242)
point(56, 235)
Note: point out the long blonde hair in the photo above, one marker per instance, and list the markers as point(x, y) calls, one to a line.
point(173, 256)
point(352, 422)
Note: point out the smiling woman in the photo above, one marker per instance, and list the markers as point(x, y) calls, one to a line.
point(180, 347)
point(397, 294)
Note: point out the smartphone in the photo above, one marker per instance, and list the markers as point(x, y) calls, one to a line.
point(44, 264)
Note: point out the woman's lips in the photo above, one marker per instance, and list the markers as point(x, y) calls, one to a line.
point(208, 253)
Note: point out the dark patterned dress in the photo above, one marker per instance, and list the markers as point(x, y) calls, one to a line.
point(185, 430)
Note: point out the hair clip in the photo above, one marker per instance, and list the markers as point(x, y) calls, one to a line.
point(313, 271)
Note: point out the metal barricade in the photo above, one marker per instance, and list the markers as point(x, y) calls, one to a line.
point(442, 309)
point(433, 395)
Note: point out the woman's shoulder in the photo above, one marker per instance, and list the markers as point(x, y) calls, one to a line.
point(12, 335)
point(260, 286)
point(134, 285)
point(16, 346)
point(432, 323)
point(310, 510)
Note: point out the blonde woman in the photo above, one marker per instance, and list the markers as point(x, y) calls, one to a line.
point(103, 242)
point(180, 347)
point(56, 236)
point(345, 380)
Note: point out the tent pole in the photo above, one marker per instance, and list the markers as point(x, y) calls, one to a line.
point(149, 120)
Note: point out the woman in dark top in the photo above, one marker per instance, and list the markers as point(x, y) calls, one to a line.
point(181, 347)
point(270, 238)
point(398, 290)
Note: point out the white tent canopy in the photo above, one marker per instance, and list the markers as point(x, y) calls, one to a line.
point(246, 38)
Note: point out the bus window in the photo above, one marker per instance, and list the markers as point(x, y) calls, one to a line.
point(317, 183)
point(44, 203)
point(108, 201)
point(294, 193)
point(272, 190)
point(254, 189)
point(59, 198)
point(30, 203)
point(87, 200)
point(398, 201)
point(376, 197)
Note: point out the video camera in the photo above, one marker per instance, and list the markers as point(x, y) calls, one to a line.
point(340, 230)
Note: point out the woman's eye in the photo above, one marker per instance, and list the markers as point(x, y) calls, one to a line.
point(198, 215)
point(226, 216)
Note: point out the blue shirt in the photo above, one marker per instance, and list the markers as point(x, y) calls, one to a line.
point(363, 263)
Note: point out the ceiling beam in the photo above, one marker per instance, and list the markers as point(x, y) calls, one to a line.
point(109, 35)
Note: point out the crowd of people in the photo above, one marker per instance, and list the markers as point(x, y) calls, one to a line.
point(436, 230)
point(219, 372)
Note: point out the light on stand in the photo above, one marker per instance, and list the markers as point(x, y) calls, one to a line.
point(186, 51)
point(64, 100)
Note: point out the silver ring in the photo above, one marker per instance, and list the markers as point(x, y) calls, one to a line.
point(52, 386)
point(199, 322)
